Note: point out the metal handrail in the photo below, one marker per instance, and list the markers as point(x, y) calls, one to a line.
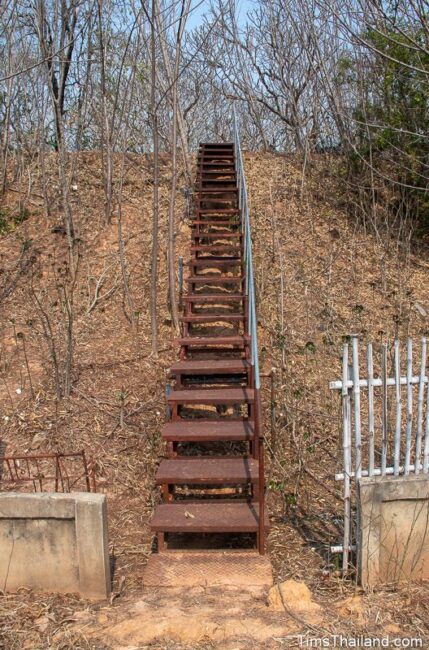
point(248, 255)
point(252, 324)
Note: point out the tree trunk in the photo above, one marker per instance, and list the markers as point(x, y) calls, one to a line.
point(155, 199)
point(172, 209)
point(106, 139)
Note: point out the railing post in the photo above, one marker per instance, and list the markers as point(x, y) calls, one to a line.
point(347, 456)
point(356, 403)
point(180, 281)
point(261, 481)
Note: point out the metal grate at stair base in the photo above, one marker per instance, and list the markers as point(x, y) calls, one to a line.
point(208, 568)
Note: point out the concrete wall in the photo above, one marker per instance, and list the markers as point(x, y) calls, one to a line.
point(394, 529)
point(54, 542)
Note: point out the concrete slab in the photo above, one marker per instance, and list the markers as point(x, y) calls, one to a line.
point(394, 529)
point(54, 542)
point(209, 568)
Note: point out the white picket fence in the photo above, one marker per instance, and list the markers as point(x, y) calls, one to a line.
point(385, 420)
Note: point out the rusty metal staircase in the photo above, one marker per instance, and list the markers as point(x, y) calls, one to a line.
point(212, 479)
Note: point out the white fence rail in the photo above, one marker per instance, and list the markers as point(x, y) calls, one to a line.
point(385, 419)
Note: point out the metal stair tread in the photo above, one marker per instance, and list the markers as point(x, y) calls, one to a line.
point(212, 396)
point(213, 279)
point(201, 190)
point(214, 297)
point(207, 222)
point(212, 318)
point(214, 471)
point(227, 234)
point(218, 210)
point(207, 517)
point(213, 340)
point(211, 262)
point(209, 248)
point(208, 430)
point(212, 366)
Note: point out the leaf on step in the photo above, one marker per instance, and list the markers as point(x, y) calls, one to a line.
point(189, 515)
point(421, 310)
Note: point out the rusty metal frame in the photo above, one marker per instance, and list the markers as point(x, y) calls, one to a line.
point(20, 471)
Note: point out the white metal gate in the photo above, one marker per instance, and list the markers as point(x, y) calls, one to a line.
point(385, 420)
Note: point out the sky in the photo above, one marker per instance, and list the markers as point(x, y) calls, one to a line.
point(199, 9)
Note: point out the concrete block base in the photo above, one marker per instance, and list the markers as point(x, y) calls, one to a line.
point(54, 542)
point(393, 543)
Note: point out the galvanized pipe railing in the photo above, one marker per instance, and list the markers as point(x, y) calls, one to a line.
point(251, 324)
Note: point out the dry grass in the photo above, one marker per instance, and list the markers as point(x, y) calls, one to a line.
point(319, 278)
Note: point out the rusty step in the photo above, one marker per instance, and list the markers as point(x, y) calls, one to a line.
point(214, 262)
point(216, 147)
point(203, 341)
point(220, 160)
point(207, 517)
point(229, 245)
point(201, 264)
point(214, 279)
point(210, 396)
point(204, 149)
point(210, 366)
point(209, 174)
point(217, 168)
point(213, 198)
point(220, 205)
point(219, 165)
point(216, 248)
point(217, 201)
point(214, 297)
point(208, 430)
point(216, 144)
point(207, 222)
point(212, 318)
point(215, 154)
point(205, 156)
point(217, 184)
point(216, 221)
point(217, 177)
point(209, 146)
point(216, 151)
point(210, 471)
point(221, 234)
point(203, 178)
point(218, 190)
point(215, 211)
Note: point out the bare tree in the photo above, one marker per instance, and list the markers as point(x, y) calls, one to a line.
point(184, 8)
point(155, 199)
